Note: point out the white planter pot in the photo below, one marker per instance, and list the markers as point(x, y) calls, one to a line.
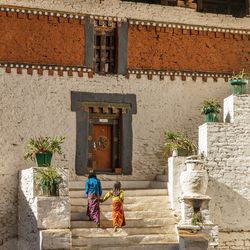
point(194, 180)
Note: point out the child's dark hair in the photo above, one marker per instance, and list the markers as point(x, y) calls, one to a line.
point(117, 188)
point(92, 173)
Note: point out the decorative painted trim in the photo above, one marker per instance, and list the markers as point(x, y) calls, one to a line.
point(41, 12)
point(70, 15)
point(172, 74)
point(187, 27)
point(40, 68)
point(108, 18)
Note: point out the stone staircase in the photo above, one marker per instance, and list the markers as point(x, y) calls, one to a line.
point(150, 223)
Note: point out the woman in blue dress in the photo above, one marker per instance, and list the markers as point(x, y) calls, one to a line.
point(93, 190)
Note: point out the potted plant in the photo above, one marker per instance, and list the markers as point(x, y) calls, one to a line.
point(179, 144)
point(48, 180)
point(196, 218)
point(42, 149)
point(211, 108)
point(238, 83)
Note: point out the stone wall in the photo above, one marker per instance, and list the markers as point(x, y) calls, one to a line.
point(176, 165)
point(226, 146)
point(234, 240)
point(43, 222)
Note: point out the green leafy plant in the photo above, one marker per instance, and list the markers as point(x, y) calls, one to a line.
point(240, 76)
point(178, 140)
point(210, 106)
point(196, 218)
point(48, 180)
point(238, 82)
point(42, 145)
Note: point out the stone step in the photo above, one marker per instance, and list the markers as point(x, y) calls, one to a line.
point(121, 232)
point(163, 200)
point(130, 223)
point(128, 193)
point(113, 177)
point(126, 240)
point(76, 185)
point(161, 177)
point(128, 215)
point(152, 206)
point(156, 246)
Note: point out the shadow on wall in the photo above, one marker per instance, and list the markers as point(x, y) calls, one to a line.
point(8, 211)
point(28, 234)
point(228, 208)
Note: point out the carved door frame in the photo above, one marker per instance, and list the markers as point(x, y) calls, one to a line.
point(122, 105)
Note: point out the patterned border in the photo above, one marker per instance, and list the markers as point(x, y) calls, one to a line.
point(183, 74)
point(40, 68)
point(55, 13)
point(41, 12)
point(189, 27)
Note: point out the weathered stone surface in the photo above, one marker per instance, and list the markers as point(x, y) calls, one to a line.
point(193, 182)
point(55, 239)
point(52, 212)
point(175, 166)
point(226, 146)
point(234, 240)
point(37, 212)
point(8, 210)
point(193, 243)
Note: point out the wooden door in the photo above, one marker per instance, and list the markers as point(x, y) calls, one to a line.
point(102, 147)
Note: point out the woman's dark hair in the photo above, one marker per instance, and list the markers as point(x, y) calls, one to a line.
point(117, 188)
point(92, 173)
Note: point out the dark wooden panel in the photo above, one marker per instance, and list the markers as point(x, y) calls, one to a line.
point(89, 42)
point(102, 147)
point(233, 7)
point(81, 159)
point(122, 33)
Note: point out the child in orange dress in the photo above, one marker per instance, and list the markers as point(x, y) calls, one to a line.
point(117, 205)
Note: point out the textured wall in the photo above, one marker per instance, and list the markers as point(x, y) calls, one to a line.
point(40, 105)
point(180, 49)
point(136, 11)
point(235, 240)
point(31, 38)
point(227, 148)
point(39, 218)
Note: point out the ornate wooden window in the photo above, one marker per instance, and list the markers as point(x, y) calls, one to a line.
point(236, 8)
point(105, 50)
point(106, 45)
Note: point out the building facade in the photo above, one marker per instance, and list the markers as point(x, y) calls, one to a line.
point(111, 76)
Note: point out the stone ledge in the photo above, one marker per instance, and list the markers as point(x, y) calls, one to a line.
point(27, 180)
point(55, 239)
point(234, 106)
point(52, 212)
